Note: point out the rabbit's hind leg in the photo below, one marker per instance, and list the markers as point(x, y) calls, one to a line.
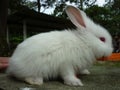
point(34, 80)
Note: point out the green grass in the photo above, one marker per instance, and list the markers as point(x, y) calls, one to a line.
point(108, 63)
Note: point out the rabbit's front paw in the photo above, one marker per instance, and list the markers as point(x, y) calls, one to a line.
point(72, 81)
point(34, 81)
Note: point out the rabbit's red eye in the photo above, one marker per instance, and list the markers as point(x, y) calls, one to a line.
point(102, 39)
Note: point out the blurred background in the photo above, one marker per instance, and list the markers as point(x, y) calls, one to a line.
point(20, 19)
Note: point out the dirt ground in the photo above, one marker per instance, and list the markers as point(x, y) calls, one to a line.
point(104, 76)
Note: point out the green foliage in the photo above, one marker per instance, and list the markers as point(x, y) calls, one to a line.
point(100, 15)
point(114, 22)
point(31, 5)
point(14, 5)
point(16, 39)
point(61, 4)
point(59, 11)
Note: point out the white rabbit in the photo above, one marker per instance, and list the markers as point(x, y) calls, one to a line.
point(61, 53)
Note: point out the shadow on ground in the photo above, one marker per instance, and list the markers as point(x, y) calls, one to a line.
point(104, 76)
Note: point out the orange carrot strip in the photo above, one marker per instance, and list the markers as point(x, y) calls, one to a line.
point(112, 57)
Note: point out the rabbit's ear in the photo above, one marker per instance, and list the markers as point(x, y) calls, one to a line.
point(75, 16)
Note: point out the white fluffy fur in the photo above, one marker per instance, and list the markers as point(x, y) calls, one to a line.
point(60, 53)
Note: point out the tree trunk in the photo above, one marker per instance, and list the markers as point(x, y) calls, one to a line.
point(39, 5)
point(81, 4)
point(3, 26)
